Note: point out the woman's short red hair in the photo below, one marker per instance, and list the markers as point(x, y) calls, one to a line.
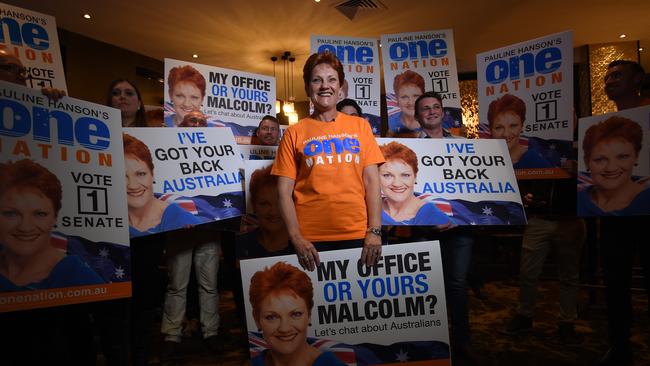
point(612, 128)
point(281, 277)
point(395, 150)
point(408, 77)
point(322, 58)
point(137, 148)
point(261, 178)
point(186, 74)
point(27, 174)
point(507, 103)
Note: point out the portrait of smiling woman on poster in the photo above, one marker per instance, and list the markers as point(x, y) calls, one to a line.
point(30, 201)
point(282, 297)
point(611, 151)
point(148, 214)
point(397, 177)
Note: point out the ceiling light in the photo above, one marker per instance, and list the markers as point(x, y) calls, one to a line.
point(622, 36)
point(195, 56)
point(317, 1)
point(87, 16)
point(640, 48)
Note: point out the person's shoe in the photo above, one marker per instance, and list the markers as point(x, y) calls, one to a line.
point(568, 335)
point(215, 343)
point(518, 324)
point(468, 356)
point(168, 351)
point(616, 357)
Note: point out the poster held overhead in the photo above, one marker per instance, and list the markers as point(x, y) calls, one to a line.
point(360, 59)
point(229, 98)
point(525, 94)
point(33, 39)
point(413, 64)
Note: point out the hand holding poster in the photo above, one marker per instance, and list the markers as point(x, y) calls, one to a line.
point(459, 182)
point(63, 234)
point(414, 63)
point(346, 313)
point(196, 179)
point(227, 97)
point(360, 59)
point(32, 38)
point(525, 94)
point(614, 164)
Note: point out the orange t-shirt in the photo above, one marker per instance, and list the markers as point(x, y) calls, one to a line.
point(326, 159)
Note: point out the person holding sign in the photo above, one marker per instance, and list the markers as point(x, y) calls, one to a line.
point(186, 91)
point(282, 298)
point(620, 236)
point(408, 86)
point(147, 214)
point(30, 201)
point(268, 131)
point(400, 204)
point(123, 95)
point(611, 150)
point(328, 178)
point(506, 116)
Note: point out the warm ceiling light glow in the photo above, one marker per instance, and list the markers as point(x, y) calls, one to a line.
point(317, 1)
point(195, 56)
point(640, 48)
point(622, 36)
point(87, 16)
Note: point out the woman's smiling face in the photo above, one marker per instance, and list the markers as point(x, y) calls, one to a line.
point(611, 163)
point(284, 320)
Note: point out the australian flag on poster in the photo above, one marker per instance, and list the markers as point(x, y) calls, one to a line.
point(366, 354)
point(464, 212)
point(209, 208)
point(112, 262)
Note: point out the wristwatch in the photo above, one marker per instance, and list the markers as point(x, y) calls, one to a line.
point(374, 230)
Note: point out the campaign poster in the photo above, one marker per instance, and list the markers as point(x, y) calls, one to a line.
point(258, 152)
point(525, 94)
point(448, 182)
point(360, 59)
point(348, 313)
point(63, 218)
point(415, 63)
point(33, 39)
point(614, 164)
point(178, 177)
point(228, 98)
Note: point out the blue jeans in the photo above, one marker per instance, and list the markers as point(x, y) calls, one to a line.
point(204, 253)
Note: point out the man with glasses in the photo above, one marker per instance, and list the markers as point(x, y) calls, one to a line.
point(268, 131)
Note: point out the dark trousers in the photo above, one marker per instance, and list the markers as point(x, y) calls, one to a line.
point(620, 238)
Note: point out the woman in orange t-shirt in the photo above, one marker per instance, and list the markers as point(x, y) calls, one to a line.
point(328, 177)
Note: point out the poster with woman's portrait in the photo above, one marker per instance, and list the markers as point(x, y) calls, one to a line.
point(228, 98)
point(360, 59)
point(63, 218)
point(614, 164)
point(415, 63)
point(525, 94)
point(448, 182)
point(180, 177)
point(345, 313)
